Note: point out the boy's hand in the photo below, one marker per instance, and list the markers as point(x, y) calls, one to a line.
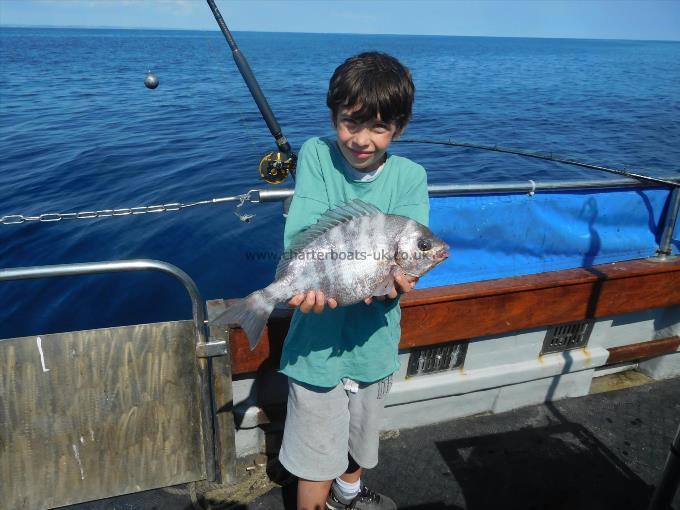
point(402, 284)
point(311, 300)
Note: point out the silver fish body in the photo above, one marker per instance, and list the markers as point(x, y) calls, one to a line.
point(348, 262)
point(351, 253)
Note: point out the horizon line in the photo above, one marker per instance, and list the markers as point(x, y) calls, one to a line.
point(167, 29)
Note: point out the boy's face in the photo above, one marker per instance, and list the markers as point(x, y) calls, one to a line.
point(363, 144)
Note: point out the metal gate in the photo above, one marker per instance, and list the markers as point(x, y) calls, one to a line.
point(92, 414)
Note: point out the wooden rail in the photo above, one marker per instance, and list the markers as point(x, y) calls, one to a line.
point(470, 310)
point(643, 350)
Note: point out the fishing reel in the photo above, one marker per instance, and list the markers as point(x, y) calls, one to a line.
point(276, 166)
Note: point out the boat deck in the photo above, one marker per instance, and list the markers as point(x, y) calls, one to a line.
point(602, 451)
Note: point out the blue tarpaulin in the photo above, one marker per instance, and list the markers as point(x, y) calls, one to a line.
point(498, 236)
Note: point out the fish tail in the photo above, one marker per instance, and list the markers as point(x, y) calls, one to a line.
point(251, 313)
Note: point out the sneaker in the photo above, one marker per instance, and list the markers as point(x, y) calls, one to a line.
point(365, 500)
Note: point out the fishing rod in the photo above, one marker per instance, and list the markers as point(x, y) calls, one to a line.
point(546, 157)
point(274, 166)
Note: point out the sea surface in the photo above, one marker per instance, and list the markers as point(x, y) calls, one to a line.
point(80, 132)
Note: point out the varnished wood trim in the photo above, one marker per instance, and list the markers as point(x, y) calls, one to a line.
point(513, 304)
point(461, 312)
point(266, 355)
point(643, 350)
point(565, 278)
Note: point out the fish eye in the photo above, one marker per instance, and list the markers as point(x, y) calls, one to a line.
point(424, 244)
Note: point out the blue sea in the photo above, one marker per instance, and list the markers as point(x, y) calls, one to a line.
point(79, 132)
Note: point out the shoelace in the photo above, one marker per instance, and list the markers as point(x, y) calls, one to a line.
point(365, 496)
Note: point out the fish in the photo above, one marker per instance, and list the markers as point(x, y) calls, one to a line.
point(352, 252)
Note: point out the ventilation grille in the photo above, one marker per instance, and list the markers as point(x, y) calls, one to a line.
point(567, 336)
point(436, 359)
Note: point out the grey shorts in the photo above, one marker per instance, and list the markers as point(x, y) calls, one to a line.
point(323, 425)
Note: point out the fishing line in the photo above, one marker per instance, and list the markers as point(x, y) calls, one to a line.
point(547, 157)
point(151, 80)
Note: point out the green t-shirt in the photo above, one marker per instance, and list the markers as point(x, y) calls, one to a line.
point(358, 341)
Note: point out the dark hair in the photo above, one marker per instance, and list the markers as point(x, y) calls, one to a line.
point(375, 82)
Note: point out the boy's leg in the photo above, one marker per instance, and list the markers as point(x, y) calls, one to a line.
point(353, 472)
point(312, 495)
point(366, 408)
point(315, 440)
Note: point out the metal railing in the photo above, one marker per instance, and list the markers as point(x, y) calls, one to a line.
point(664, 250)
point(204, 347)
point(530, 187)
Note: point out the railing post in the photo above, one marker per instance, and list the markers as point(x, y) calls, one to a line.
point(223, 411)
point(665, 248)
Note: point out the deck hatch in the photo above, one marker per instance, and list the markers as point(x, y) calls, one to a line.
point(439, 358)
point(566, 337)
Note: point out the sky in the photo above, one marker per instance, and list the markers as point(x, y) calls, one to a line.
point(590, 19)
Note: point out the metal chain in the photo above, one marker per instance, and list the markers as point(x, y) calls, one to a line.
point(16, 219)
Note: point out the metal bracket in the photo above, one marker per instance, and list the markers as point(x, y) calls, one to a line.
point(214, 347)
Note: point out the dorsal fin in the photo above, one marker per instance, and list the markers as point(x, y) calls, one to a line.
point(331, 218)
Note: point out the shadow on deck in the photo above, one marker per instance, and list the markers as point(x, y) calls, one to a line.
point(599, 452)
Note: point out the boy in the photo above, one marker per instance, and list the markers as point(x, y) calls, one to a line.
point(340, 361)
